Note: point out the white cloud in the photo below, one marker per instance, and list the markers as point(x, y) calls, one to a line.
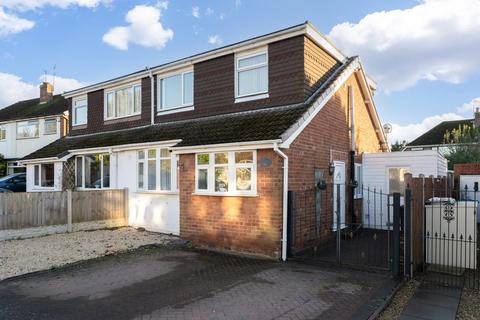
point(144, 29)
point(434, 40)
point(196, 12)
point(11, 24)
point(468, 108)
point(25, 5)
point(209, 12)
point(215, 40)
point(14, 89)
point(412, 131)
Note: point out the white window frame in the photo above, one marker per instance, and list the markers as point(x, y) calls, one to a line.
point(39, 185)
point(3, 133)
point(253, 95)
point(359, 178)
point(184, 106)
point(45, 126)
point(114, 90)
point(232, 166)
point(101, 171)
point(28, 121)
point(74, 120)
point(173, 172)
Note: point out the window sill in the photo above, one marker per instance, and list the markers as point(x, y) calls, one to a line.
point(358, 197)
point(43, 188)
point(29, 138)
point(251, 98)
point(158, 192)
point(49, 134)
point(131, 117)
point(79, 126)
point(215, 194)
point(174, 110)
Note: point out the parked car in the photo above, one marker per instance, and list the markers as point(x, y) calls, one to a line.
point(16, 182)
point(5, 191)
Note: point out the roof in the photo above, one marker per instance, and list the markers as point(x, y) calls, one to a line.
point(435, 136)
point(247, 126)
point(32, 108)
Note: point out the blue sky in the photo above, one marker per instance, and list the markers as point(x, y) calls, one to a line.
point(419, 52)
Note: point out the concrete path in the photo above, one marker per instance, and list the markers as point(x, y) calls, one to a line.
point(433, 301)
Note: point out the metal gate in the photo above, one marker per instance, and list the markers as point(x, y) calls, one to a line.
point(369, 238)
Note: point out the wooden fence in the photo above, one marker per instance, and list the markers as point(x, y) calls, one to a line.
point(39, 211)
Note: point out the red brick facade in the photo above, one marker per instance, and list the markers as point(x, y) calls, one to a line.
point(244, 224)
point(466, 169)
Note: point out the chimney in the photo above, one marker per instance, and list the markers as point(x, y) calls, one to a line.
point(46, 92)
point(476, 121)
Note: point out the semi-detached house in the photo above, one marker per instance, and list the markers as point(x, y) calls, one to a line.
point(209, 145)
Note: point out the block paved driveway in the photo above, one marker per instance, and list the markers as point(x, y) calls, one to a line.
point(176, 283)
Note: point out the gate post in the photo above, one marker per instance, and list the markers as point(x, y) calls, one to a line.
point(396, 234)
point(408, 233)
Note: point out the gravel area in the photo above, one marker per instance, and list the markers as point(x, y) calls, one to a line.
point(23, 256)
point(394, 310)
point(469, 307)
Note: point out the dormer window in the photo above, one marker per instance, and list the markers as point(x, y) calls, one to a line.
point(79, 111)
point(251, 76)
point(123, 102)
point(175, 91)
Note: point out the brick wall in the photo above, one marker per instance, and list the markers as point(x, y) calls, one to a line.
point(327, 138)
point(466, 168)
point(243, 224)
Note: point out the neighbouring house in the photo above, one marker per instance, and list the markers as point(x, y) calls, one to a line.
point(209, 145)
point(435, 137)
point(29, 125)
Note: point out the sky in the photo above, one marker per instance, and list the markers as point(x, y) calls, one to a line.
point(423, 54)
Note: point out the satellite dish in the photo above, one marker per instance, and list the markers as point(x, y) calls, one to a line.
point(387, 128)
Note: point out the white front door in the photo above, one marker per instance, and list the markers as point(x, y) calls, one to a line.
point(339, 193)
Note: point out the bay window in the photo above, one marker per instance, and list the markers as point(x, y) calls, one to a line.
point(251, 75)
point(27, 129)
point(123, 102)
point(175, 91)
point(154, 170)
point(231, 172)
point(79, 111)
point(43, 175)
point(92, 171)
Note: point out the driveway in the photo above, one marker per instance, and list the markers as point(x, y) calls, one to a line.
point(176, 283)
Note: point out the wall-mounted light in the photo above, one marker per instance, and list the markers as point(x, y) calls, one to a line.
point(331, 168)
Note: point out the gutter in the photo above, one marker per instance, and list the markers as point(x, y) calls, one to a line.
point(285, 200)
point(152, 96)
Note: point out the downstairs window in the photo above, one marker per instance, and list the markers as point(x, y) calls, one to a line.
point(44, 175)
point(92, 171)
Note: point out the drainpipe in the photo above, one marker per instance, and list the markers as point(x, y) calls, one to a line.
point(152, 96)
point(352, 151)
point(285, 199)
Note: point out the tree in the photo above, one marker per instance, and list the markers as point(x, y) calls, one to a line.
point(464, 145)
point(398, 145)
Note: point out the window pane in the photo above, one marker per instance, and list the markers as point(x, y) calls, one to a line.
point(141, 155)
point(244, 179)
point(243, 157)
point(36, 175)
point(47, 175)
point(106, 171)
point(140, 175)
point(165, 174)
point(80, 115)
point(202, 179)
point(164, 153)
point(396, 181)
point(152, 153)
point(92, 171)
point(110, 105)
point(171, 92)
point(50, 126)
point(188, 88)
point(251, 61)
point(123, 102)
point(252, 81)
point(221, 179)
point(79, 172)
point(152, 175)
point(203, 158)
point(138, 99)
point(221, 158)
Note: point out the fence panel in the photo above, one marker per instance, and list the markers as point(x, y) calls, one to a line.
point(97, 205)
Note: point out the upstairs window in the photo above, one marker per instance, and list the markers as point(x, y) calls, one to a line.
point(50, 126)
point(27, 129)
point(176, 91)
point(79, 111)
point(123, 102)
point(3, 133)
point(251, 75)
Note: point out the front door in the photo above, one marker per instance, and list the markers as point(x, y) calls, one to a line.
point(339, 193)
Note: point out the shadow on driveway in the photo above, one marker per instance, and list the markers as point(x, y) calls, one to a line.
point(176, 283)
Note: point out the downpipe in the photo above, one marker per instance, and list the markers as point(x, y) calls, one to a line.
point(152, 96)
point(285, 200)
